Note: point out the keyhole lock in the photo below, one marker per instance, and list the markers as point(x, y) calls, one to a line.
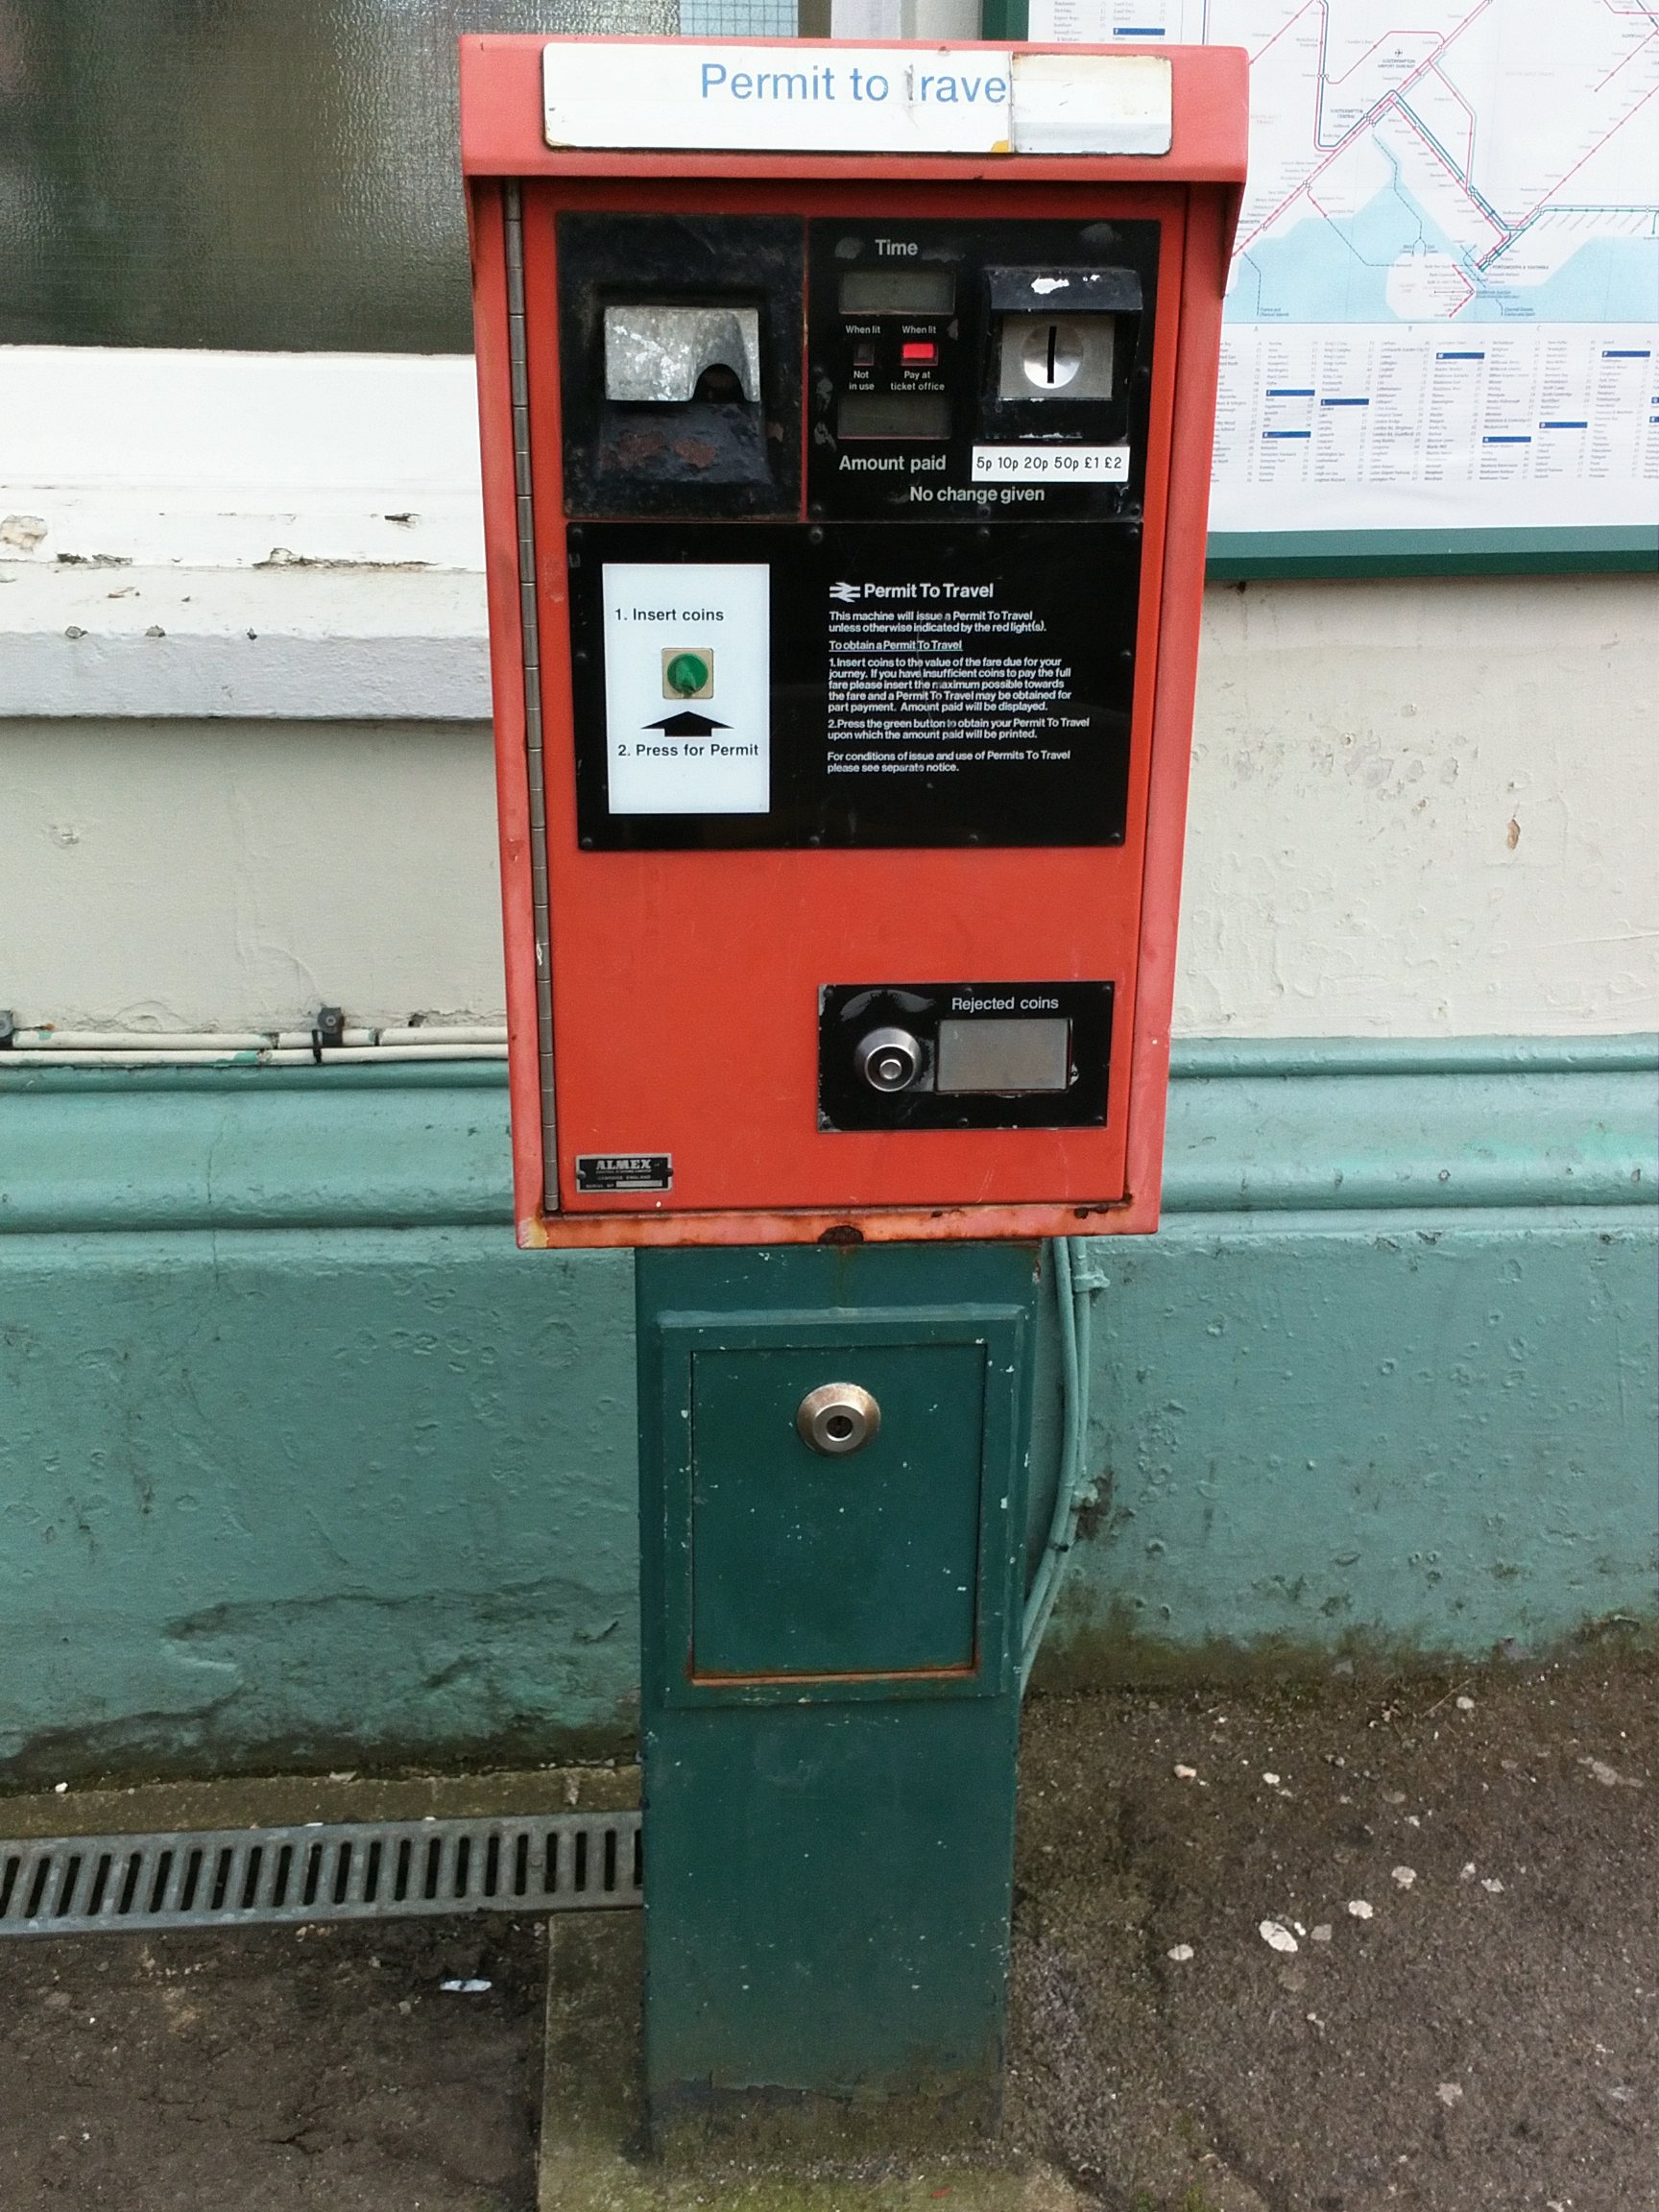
point(837, 1418)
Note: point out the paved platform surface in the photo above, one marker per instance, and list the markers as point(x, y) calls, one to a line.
point(1485, 2035)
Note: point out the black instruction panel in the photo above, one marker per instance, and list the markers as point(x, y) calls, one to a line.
point(760, 684)
point(895, 605)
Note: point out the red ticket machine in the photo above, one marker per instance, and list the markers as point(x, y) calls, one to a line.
point(847, 419)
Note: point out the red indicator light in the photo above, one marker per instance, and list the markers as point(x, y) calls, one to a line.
point(918, 350)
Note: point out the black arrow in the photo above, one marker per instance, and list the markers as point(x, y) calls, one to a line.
point(686, 725)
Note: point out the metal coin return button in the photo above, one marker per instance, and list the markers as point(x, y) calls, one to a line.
point(837, 1418)
point(888, 1059)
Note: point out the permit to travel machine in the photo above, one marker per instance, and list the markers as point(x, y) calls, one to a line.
point(846, 414)
point(847, 419)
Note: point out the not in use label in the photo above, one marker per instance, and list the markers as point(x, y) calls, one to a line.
point(687, 687)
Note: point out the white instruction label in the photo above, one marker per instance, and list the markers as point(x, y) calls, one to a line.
point(687, 687)
point(846, 99)
point(1050, 463)
point(834, 99)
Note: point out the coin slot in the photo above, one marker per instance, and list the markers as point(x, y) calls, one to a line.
point(1055, 357)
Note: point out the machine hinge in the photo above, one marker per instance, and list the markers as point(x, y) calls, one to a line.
point(530, 630)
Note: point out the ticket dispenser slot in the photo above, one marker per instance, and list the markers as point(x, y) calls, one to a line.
point(678, 348)
point(681, 356)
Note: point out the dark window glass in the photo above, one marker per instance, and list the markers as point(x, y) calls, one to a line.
point(265, 174)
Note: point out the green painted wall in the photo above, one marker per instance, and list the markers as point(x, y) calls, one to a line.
point(1432, 1432)
point(311, 1496)
point(301, 1463)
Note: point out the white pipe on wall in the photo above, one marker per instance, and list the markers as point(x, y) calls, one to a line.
point(37, 1056)
point(45, 1046)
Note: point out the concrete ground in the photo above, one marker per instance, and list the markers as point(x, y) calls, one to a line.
point(1379, 1945)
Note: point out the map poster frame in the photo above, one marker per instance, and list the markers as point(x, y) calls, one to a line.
point(1441, 351)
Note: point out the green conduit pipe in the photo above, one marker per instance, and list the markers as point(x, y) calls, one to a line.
point(1073, 1489)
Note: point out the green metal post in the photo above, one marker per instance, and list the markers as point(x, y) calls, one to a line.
point(830, 1702)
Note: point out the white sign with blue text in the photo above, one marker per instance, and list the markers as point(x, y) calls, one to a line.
point(824, 99)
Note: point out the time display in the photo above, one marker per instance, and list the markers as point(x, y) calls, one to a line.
point(918, 291)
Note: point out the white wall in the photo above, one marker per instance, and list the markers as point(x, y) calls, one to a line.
point(237, 875)
point(1424, 809)
point(1419, 809)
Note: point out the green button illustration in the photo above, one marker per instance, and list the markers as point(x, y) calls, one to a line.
point(687, 675)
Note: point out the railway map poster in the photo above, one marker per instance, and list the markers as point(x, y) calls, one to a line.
point(1443, 314)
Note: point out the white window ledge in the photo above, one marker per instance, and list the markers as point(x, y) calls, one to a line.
point(287, 643)
point(227, 460)
point(292, 537)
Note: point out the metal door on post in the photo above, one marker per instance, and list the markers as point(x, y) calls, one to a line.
point(831, 1700)
point(808, 1565)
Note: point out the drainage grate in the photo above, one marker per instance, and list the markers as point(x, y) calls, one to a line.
point(343, 1870)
